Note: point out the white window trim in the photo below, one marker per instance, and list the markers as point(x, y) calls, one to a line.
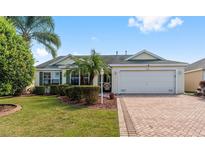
point(51, 77)
point(79, 78)
point(44, 78)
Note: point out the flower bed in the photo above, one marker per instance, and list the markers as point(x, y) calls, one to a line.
point(107, 103)
point(6, 109)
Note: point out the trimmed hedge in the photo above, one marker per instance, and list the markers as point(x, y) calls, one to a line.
point(89, 93)
point(39, 90)
point(54, 89)
point(62, 89)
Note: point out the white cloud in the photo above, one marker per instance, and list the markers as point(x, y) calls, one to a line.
point(41, 52)
point(175, 22)
point(131, 22)
point(93, 38)
point(153, 23)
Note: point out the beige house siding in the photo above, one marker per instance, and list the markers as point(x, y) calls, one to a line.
point(192, 80)
point(144, 56)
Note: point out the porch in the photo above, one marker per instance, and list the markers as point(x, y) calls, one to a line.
point(58, 77)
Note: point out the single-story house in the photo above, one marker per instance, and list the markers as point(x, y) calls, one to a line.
point(194, 73)
point(142, 73)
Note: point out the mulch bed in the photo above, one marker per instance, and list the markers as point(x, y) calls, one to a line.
point(107, 103)
point(6, 107)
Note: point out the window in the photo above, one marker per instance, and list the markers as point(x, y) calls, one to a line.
point(51, 78)
point(84, 79)
point(46, 78)
point(75, 78)
point(55, 77)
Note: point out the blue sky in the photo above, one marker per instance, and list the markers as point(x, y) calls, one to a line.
point(174, 38)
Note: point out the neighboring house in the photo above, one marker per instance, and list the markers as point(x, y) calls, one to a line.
point(142, 73)
point(194, 73)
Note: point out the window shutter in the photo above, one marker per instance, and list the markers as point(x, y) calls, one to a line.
point(60, 77)
point(41, 79)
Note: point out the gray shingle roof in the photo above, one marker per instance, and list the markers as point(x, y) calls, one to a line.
point(196, 65)
point(112, 59)
point(46, 64)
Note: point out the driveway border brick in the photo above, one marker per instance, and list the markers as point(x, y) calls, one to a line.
point(122, 125)
point(125, 123)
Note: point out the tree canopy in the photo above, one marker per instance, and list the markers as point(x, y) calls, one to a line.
point(91, 65)
point(16, 60)
point(38, 28)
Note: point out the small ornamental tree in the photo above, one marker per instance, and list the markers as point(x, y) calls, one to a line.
point(16, 61)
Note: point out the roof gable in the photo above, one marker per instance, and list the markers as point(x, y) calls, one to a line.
point(66, 61)
point(63, 61)
point(145, 55)
point(200, 64)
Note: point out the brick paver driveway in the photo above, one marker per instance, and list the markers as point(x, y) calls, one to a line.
point(178, 115)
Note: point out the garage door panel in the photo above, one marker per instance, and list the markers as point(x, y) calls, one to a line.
point(147, 82)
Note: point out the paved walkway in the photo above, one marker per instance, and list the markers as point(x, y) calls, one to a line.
point(146, 116)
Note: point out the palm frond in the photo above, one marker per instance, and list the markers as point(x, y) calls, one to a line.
point(18, 22)
point(47, 37)
point(42, 24)
point(49, 48)
point(92, 64)
point(39, 28)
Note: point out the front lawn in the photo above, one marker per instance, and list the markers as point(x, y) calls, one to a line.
point(47, 116)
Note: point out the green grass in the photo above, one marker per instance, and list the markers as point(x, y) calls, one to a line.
point(47, 116)
point(190, 93)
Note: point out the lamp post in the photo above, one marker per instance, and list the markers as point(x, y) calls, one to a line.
point(101, 74)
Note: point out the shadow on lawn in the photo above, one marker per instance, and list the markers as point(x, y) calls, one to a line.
point(6, 97)
point(53, 103)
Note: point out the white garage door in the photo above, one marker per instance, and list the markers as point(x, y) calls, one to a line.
point(146, 82)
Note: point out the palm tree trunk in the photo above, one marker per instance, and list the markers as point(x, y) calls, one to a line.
point(91, 78)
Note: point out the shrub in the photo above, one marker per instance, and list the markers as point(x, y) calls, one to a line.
point(54, 89)
point(89, 93)
point(112, 95)
point(5, 89)
point(16, 60)
point(39, 90)
point(74, 93)
point(202, 84)
point(62, 89)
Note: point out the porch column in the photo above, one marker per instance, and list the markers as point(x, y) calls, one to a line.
point(95, 80)
point(64, 76)
point(36, 78)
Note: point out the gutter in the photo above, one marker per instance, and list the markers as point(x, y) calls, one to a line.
point(145, 65)
point(195, 70)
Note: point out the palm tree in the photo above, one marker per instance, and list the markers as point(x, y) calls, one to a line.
point(91, 65)
point(38, 28)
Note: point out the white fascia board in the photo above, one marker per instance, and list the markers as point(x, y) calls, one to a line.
point(195, 70)
point(55, 62)
point(62, 67)
point(162, 65)
point(48, 69)
point(147, 52)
